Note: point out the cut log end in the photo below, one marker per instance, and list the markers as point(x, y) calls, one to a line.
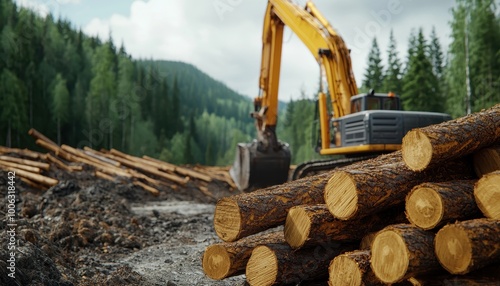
point(454, 249)
point(424, 208)
point(341, 196)
point(262, 267)
point(297, 227)
point(487, 195)
point(216, 262)
point(390, 257)
point(227, 220)
point(417, 150)
point(344, 271)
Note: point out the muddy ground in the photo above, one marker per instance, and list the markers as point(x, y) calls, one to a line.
point(88, 231)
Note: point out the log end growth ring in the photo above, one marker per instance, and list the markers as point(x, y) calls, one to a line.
point(227, 220)
point(216, 262)
point(417, 150)
point(453, 249)
point(297, 227)
point(344, 271)
point(341, 196)
point(262, 267)
point(390, 258)
point(424, 208)
point(487, 195)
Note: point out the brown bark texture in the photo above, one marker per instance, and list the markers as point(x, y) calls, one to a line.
point(300, 265)
point(487, 194)
point(452, 139)
point(375, 188)
point(267, 208)
point(325, 228)
point(341, 274)
point(237, 252)
point(468, 245)
point(486, 160)
point(419, 258)
point(456, 202)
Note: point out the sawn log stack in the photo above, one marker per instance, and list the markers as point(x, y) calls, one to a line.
point(442, 178)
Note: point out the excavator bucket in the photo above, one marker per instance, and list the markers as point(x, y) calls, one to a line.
point(253, 169)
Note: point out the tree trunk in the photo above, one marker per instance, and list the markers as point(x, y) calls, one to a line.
point(430, 205)
point(403, 251)
point(487, 195)
point(435, 144)
point(352, 269)
point(487, 160)
point(468, 245)
point(359, 192)
point(314, 224)
point(228, 259)
point(245, 214)
point(277, 264)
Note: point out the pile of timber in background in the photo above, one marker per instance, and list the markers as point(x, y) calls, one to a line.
point(421, 215)
point(148, 173)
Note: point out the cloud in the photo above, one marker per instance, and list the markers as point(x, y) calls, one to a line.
point(223, 37)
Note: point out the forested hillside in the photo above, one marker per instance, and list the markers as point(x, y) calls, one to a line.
point(81, 91)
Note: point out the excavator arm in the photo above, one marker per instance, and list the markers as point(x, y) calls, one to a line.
point(267, 159)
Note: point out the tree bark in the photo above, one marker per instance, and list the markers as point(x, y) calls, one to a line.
point(314, 224)
point(403, 251)
point(431, 205)
point(355, 193)
point(228, 259)
point(245, 214)
point(487, 195)
point(486, 160)
point(353, 269)
point(277, 264)
point(468, 245)
point(435, 144)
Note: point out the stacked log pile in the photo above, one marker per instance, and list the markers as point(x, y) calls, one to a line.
point(425, 213)
point(145, 172)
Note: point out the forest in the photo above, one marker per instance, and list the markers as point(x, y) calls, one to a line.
point(82, 91)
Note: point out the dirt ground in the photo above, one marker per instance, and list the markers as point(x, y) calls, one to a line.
point(88, 231)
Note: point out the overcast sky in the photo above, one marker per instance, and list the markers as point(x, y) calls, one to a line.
point(223, 37)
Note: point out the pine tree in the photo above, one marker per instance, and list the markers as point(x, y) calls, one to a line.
point(420, 84)
point(393, 74)
point(436, 55)
point(60, 103)
point(374, 75)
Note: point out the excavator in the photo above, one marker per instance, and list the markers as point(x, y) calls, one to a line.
point(357, 126)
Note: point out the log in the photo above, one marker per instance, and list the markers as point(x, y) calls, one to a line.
point(486, 160)
point(309, 225)
point(148, 169)
point(206, 192)
point(56, 149)
point(487, 195)
point(355, 193)
point(277, 264)
point(43, 166)
point(22, 167)
point(59, 164)
point(366, 241)
point(431, 205)
point(37, 135)
point(402, 251)
point(245, 214)
point(34, 185)
point(150, 189)
point(37, 178)
point(435, 144)
point(22, 152)
point(94, 154)
point(180, 170)
point(228, 259)
point(352, 269)
point(468, 245)
point(104, 176)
